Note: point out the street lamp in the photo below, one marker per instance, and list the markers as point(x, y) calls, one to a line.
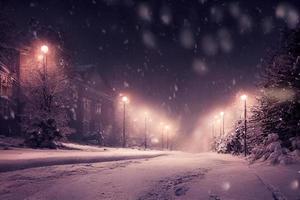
point(125, 101)
point(219, 123)
point(44, 50)
point(145, 139)
point(214, 125)
point(162, 135)
point(167, 128)
point(222, 115)
point(244, 98)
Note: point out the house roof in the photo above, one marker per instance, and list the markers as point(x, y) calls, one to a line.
point(90, 77)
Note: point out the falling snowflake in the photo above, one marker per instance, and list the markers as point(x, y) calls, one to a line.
point(234, 9)
point(245, 23)
point(125, 84)
point(225, 40)
point(288, 13)
point(166, 15)
point(144, 12)
point(199, 66)
point(175, 87)
point(187, 38)
point(209, 45)
point(149, 39)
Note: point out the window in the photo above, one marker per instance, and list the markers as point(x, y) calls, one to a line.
point(5, 85)
point(86, 109)
point(98, 108)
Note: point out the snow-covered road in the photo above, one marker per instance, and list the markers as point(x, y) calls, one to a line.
point(179, 175)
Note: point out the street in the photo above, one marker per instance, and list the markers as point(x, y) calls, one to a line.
point(176, 175)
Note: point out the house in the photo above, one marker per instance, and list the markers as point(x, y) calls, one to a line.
point(9, 73)
point(93, 111)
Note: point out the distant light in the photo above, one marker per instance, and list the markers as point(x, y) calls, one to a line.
point(167, 127)
point(226, 186)
point(154, 141)
point(125, 99)
point(295, 184)
point(44, 49)
point(244, 97)
point(40, 57)
point(222, 113)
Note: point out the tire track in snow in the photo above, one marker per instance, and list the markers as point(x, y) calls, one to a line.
point(173, 186)
point(276, 194)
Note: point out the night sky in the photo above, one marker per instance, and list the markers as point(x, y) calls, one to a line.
point(183, 56)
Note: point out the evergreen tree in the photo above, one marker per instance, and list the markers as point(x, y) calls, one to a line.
point(279, 104)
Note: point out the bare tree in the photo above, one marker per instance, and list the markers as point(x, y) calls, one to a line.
point(45, 87)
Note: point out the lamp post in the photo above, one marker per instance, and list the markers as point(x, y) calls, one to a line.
point(244, 98)
point(220, 126)
point(215, 120)
point(213, 129)
point(44, 50)
point(162, 135)
point(125, 101)
point(145, 139)
point(222, 115)
point(167, 135)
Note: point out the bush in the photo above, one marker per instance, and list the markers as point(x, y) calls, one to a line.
point(44, 134)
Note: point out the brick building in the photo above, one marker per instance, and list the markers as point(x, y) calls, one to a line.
point(93, 112)
point(9, 74)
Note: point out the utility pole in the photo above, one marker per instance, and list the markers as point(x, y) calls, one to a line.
point(245, 123)
point(125, 100)
point(145, 131)
point(244, 98)
point(124, 124)
point(162, 137)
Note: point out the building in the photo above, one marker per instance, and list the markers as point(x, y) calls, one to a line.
point(93, 111)
point(9, 74)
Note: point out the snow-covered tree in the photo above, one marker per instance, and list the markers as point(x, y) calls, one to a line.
point(279, 103)
point(45, 85)
point(45, 117)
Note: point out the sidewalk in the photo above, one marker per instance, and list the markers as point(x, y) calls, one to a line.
point(20, 158)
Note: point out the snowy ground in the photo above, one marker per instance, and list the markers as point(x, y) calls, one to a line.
point(22, 158)
point(176, 175)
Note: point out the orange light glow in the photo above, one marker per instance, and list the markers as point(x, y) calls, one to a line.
point(125, 99)
point(244, 97)
point(44, 49)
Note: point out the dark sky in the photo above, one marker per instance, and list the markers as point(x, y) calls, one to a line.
point(179, 54)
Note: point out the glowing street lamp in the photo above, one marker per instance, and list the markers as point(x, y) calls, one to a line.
point(222, 115)
point(125, 100)
point(244, 98)
point(44, 50)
